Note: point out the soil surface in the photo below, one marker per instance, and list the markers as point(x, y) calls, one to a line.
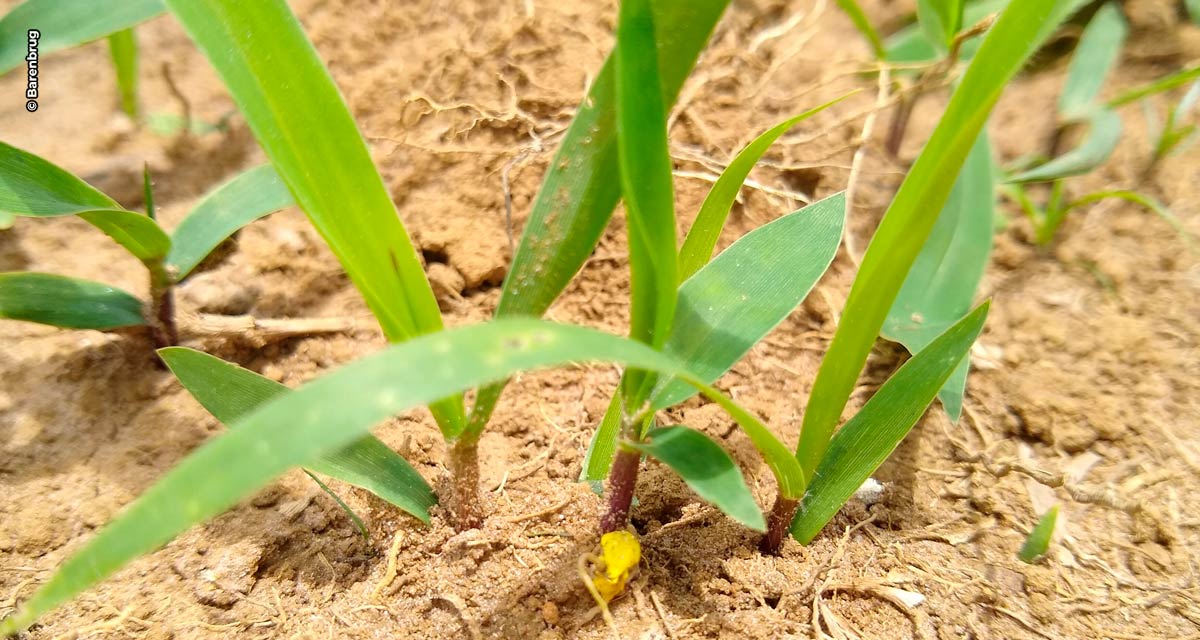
point(1085, 390)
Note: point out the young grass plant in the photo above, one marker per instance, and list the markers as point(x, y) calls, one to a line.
point(1080, 107)
point(895, 246)
point(1038, 542)
point(719, 310)
point(33, 187)
point(582, 187)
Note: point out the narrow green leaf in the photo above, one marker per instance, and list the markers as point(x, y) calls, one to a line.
point(1155, 207)
point(1095, 56)
point(941, 285)
point(707, 469)
point(64, 302)
point(1038, 542)
point(582, 185)
point(31, 186)
point(324, 416)
point(1165, 83)
point(913, 212)
point(863, 24)
point(645, 169)
point(230, 392)
point(6, 220)
point(66, 23)
point(874, 432)
point(739, 297)
point(358, 522)
point(139, 234)
point(603, 447)
point(307, 131)
point(702, 238)
point(1173, 134)
point(123, 48)
point(940, 21)
point(1103, 134)
point(235, 204)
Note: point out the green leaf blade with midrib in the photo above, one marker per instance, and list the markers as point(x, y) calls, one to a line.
point(235, 204)
point(941, 285)
point(707, 469)
point(69, 303)
point(230, 392)
point(874, 432)
point(308, 133)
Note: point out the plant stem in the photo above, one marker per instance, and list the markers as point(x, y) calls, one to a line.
point(464, 478)
point(899, 125)
point(621, 481)
point(778, 523)
point(162, 308)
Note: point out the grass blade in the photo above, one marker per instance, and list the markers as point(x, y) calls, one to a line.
point(1104, 133)
point(738, 298)
point(583, 185)
point(1038, 542)
point(1165, 83)
point(941, 285)
point(315, 420)
point(1095, 56)
point(914, 210)
point(229, 392)
point(645, 169)
point(65, 24)
point(123, 48)
point(1142, 200)
point(31, 186)
point(707, 469)
point(6, 220)
point(134, 231)
point(871, 435)
point(603, 447)
point(863, 24)
point(64, 302)
point(307, 131)
point(235, 204)
point(706, 229)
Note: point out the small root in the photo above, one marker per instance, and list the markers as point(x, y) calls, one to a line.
point(389, 574)
point(590, 585)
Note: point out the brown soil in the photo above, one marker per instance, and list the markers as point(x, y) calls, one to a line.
point(1088, 366)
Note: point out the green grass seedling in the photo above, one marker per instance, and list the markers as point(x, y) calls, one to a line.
point(1038, 542)
point(304, 426)
point(33, 187)
point(894, 248)
point(123, 48)
point(1080, 106)
point(720, 309)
